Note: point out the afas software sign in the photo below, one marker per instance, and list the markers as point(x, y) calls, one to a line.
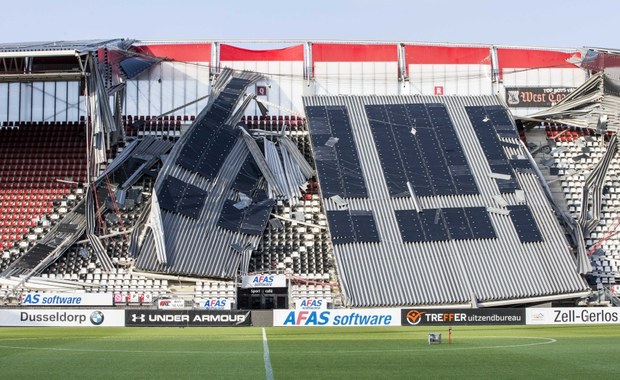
point(69, 318)
point(66, 299)
point(310, 304)
point(451, 317)
point(337, 317)
point(263, 281)
point(216, 304)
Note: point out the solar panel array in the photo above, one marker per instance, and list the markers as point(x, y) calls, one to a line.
point(444, 224)
point(335, 152)
point(210, 140)
point(352, 226)
point(441, 175)
point(206, 150)
point(249, 220)
point(181, 197)
point(417, 143)
point(490, 123)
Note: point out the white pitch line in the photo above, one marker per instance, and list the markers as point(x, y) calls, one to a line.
point(130, 351)
point(268, 369)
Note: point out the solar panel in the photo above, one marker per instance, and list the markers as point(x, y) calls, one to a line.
point(364, 226)
point(35, 255)
point(458, 225)
point(205, 151)
point(409, 226)
point(230, 217)
point(210, 140)
point(417, 143)
point(520, 165)
point(67, 228)
point(181, 197)
point(249, 174)
point(256, 217)
point(510, 145)
point(445, 224)
point(525, 224)
point(337, 163)
point(433, 225)
point(340, 227)
point(250, 220)
point(352, 226)
point(501, 122)
point(389, 155)
point(480, 223)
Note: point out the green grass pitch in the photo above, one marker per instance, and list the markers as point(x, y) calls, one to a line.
point(567, 352)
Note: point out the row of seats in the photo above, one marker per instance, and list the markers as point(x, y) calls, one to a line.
point(295, 123)
point(165, 127)
point(215, 289)
point(573, 172)
point(564, 134)
point(168, 118)
point(272, 118)
point(113, 282)
point(36, 194)
point(34, 124)
point(311, 291)
point(33, 158)
point(295, 249)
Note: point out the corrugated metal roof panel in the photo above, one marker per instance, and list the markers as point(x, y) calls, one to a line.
point(198, 246)
point(393, 273)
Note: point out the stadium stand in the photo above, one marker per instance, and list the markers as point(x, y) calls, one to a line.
point(42, 167)
point(214, 162)
point(575, 155)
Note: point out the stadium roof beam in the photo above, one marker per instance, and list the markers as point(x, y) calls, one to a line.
point(42, 53)
point(41, 77)
point(47, 65)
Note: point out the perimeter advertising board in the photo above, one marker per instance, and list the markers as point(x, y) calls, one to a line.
point(311, 304)
point(170, 304)
point(62, 317)
point(263, 281)
point(187, 318)
point(572, 315)
point(337, 317)
point(454, 317)
point(216, 304)
point(66, 299)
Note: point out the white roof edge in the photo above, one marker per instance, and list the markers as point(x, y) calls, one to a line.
point(39, 53)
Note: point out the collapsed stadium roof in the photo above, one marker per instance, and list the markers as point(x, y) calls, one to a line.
point(434, 201)
point(430, 200)
point(214, 195)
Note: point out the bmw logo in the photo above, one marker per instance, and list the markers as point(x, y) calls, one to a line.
point(96, 318)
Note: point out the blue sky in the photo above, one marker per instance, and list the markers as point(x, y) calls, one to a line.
point(566, 23)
